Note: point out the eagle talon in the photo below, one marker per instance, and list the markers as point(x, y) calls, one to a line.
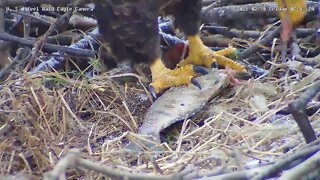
point(152, 91)
point(201, 55)
point(200, 70)
point(196, 83)
point(214, 65)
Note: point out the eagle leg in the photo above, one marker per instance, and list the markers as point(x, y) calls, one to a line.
point(199, 54)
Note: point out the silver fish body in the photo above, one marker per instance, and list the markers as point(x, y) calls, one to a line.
point(177, 104)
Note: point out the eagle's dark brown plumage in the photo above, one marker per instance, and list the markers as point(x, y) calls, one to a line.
point(130, 27)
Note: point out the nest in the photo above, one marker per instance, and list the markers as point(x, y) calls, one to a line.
point(58, 125)
point(45, 115)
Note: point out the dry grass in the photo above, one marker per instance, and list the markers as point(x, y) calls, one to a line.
point(44, 115)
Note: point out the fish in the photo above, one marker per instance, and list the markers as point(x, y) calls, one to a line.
point(176, 104)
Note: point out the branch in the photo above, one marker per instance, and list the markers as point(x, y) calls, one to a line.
point(57, 25)
point(263, 42)
point(48, 47)
point(242, 12)
point(21, 54)
point(303, 169)
point(298, 110)
point(283, 164)
point(73, 160)
point(234, 12)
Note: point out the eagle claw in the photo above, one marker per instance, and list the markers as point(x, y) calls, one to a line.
point(200, 70)
point(152, 91)
point(196, 83)
point(214, 65)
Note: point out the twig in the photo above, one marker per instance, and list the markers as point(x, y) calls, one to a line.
point(4, 129)
point(225, 13)
point(21, 54)
point(283, 164)
point(31, 16)
point(68, 161)
point(2, 20)
point(298, 110)
point(226, 2)
point(57, 58)
point(53, 28)
point(26, 26)
point(48, 47)
point(239, 12)
point(303, 169)
point(296, 53)
point(263, 42)
point(73, 160)
point(272, 170)
point(245, 34)
point(134, 123)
